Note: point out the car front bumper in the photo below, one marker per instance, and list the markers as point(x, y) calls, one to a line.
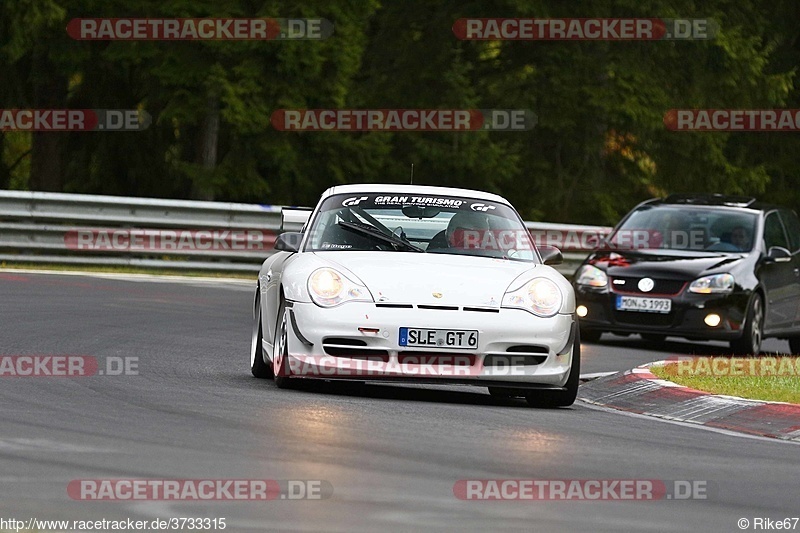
point(327, 343)
point(686, 319)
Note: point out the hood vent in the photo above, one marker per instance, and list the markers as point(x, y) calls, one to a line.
point(435, 307)
point(438, 307)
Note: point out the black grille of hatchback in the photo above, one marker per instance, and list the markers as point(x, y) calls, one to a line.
point(662, 286)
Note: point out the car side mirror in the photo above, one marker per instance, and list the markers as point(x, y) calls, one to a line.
point(551, 255)
point(289, 241)
point(778, 254)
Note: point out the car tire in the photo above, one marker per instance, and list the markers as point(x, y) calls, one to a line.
point(794, 345)
point(258, 367)
point(655, 338)
point(590, 335)
point(750, 341)
point(561, 398)
point(280, 355)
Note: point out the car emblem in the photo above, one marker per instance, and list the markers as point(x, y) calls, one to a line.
point(437, 294)
point(646, 284)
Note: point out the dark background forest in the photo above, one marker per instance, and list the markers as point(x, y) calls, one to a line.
point(600, 145)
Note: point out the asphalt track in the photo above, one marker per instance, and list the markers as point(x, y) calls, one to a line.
point(391, 453)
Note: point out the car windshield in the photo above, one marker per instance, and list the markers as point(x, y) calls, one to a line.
point(686, 228)
point(422, 224)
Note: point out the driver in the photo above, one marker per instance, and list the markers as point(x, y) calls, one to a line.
point(740, 238)
point(462, 222)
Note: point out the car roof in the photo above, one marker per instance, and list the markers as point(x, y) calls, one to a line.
point(713, 201)
point(391, 188)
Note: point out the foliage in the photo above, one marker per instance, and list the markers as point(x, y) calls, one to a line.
point(600, 145)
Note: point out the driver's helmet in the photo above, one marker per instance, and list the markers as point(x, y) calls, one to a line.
point(466, 221)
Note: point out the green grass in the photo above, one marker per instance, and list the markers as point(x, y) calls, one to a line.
point(130, 270)
point(767, 378)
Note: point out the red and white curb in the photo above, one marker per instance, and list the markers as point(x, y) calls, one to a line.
point(639, 391)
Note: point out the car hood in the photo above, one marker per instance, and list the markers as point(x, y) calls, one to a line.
point(438, 279)
point(665, 264)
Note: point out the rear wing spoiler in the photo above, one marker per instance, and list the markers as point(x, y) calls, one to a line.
point(294, 218)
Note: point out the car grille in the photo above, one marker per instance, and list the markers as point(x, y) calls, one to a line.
point(353, 349)
point(662, 286)
point(644, 319)
point(407, 357)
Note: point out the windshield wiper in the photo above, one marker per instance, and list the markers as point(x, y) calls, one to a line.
point(372, 231)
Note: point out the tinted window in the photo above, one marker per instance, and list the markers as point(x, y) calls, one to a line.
point(792, 228)
point(687, 228)
point(773, 232)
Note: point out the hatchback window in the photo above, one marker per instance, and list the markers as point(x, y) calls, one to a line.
point(686, 228)
point(792, 228)
point(773, 232)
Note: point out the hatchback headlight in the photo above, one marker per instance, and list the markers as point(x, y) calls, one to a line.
point(716, 284)
point(592, 276)
point(540, 296)
point(329, 288)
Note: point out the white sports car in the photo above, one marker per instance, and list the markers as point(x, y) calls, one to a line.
point(416, 284)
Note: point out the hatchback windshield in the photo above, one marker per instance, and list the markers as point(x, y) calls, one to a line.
point(686, 228)
point(423, 224)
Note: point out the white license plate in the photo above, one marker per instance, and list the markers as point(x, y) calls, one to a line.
point(438, 338)
point(645, 305)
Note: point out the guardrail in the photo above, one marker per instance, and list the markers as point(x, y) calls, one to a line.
point(63, 229)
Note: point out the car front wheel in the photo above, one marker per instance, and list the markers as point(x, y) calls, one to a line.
point(258, 367)
point(794, 345)
point(753, 331)
point(561, 398)
point(280, 356)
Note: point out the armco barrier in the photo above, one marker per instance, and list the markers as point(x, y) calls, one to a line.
point(47, 228)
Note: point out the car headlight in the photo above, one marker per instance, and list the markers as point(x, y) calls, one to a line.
point(540, 296)
point(329, 288)
point(718, 283)
point(592, 276)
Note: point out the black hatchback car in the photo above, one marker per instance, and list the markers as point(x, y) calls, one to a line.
point(707, 267)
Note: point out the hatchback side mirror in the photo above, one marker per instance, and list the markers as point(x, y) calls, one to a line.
point(778, 254)
point(289, 241)
point(551, 255)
